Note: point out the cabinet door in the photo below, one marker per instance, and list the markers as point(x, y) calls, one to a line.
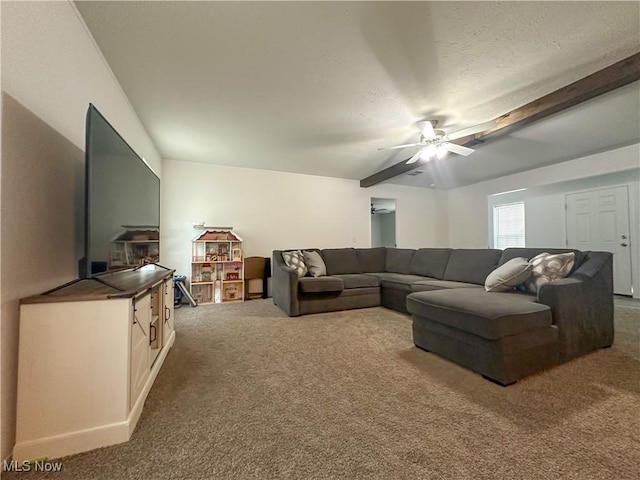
point(168, 327)
point(139, 347)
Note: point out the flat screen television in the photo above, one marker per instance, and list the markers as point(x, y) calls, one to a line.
point(122, 202)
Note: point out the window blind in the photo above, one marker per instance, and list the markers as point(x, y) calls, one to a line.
point(508, 225)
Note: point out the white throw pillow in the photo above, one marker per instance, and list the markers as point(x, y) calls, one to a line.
point(314, 263)
point(547, 268)
point(295, 259)
point(509, 275)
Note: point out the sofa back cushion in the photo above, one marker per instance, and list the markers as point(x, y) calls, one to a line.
point(399, 260)
point(529, 253)
point(372, 260)
point(430, 262)
point(340, 261)
point(471, 265)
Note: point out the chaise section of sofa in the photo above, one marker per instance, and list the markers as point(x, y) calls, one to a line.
point(503, 336)
point(506, 336)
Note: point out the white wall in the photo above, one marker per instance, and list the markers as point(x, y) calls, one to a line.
point(51, 70)
point(545, 217)
point(52, 65)
point(276, 210)
point(470, 208)
point(545, 206)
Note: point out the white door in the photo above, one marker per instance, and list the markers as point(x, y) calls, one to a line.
point(599, 220)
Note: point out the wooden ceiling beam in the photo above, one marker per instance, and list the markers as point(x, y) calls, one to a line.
point(609, 78)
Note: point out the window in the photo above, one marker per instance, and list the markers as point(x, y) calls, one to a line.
point(508, 225)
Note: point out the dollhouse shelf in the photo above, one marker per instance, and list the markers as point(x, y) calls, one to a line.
point(217, 266)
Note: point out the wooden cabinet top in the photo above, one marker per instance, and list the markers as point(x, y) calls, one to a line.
point(121, 284)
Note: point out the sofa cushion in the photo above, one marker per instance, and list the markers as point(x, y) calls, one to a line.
point(398, 280)
point(341, 260)
point(295, 260)
point(529, 253)
point(320, 284)
point(547, 268)
point(372, 259)
point(434, 284)
point(430, 262)
point(508, 275)
point(399, 260)
point(356, 280)
point(472, 265)
point(491, 315)
point(315, 263)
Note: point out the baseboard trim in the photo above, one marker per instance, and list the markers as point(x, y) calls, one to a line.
point(73, 442)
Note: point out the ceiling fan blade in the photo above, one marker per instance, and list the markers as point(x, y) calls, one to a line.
point(415, 158)
point(471, 130)
point(459, 149)
point(426, 127)
point(400, 146)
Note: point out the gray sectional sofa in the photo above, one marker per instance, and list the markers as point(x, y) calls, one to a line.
point(502, 335)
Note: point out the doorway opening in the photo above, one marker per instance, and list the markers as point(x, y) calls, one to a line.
point(383, 222)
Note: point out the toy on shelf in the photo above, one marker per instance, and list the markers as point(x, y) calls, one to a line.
point(217, 265)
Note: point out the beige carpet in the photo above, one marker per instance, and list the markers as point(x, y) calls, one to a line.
point(247, 392)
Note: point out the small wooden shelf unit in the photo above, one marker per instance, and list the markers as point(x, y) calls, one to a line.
point(217, 267)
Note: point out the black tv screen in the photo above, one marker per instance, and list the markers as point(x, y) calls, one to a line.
point(122, 202)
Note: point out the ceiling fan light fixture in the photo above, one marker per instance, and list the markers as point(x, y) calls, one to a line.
point(431, 150)
point(434, 143)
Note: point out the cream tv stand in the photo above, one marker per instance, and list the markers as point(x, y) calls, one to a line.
point(89, 352)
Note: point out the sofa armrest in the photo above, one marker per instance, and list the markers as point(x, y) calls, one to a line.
point(284, 286)
point(564, 297)
point(582, 307)
point(553, 291)
point(594, 264)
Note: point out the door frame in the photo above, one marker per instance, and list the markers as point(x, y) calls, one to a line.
point(394, 211)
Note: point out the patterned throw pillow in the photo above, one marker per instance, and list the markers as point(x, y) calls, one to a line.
point(295, 259)
point(547, 268)
point(314, 263)
point(508, 275)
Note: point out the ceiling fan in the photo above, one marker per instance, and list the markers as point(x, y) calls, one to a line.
point(438, 142)
point(375, 210)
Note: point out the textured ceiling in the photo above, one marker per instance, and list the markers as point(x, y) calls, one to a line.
point(318, 87)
